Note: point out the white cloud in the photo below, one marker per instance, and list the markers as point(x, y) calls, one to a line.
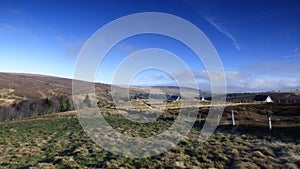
point(245, 81)
point(7, 28)
point(60, 39)
point(224, 31)
point(73, 48)
point(295, 53)
point(292, 56)
point(296, 50)
point(278, 68)
point(241, 81)
point(126, 47)
point(11, 11)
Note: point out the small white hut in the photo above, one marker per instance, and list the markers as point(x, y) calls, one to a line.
point(263, 98)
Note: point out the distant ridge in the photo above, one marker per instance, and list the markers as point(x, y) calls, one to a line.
point(24, 86)
point(35, 86)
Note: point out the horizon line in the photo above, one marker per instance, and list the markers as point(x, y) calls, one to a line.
point(160, 85)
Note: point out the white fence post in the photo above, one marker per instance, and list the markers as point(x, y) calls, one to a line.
point(232, 117)
point(269, 121)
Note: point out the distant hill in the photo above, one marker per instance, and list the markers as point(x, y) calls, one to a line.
point(17, 87)
point(279, 97)
point(25, 95)
point(33, 87)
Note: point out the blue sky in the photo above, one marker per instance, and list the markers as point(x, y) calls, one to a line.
point(258, 41)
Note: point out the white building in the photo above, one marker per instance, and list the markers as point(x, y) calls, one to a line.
point(263, 98)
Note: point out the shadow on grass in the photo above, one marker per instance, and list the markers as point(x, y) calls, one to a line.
point(283, 133)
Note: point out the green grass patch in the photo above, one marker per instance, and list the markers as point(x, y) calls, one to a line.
point(62, 143)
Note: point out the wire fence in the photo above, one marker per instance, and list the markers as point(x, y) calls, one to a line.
point(264, 119)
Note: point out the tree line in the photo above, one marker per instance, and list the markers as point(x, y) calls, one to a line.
point(30, 108)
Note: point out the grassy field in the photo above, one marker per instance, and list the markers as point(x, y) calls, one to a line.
point(58, 141)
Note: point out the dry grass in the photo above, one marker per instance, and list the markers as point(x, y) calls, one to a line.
point(8, 98)
point(58, 141)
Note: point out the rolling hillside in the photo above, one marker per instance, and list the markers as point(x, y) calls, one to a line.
point(15, 87)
